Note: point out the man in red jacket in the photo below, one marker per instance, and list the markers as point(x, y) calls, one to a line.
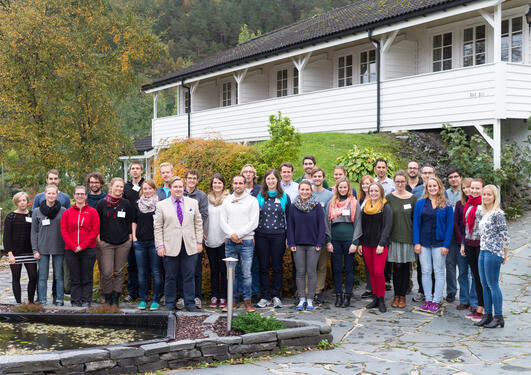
point(80, 225)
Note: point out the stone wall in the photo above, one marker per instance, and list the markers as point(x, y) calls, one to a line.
point(151, 357)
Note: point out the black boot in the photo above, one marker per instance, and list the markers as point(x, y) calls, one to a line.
point(339, 300)
point(116, 300)
point(496, 321)
point(108, 298)
point(487, 318)
point(346, 302)
point(381, 305)
point(373, 303)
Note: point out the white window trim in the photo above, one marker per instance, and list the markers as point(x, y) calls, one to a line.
point(285, 66)
point(354, 68)
point(359, 64)
point(232, 92)
point(488, 40)
point(455, 43)
point(526, 48)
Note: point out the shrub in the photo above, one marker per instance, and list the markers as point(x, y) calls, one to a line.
point(28, 308)
point(283, 144)
point(207, 157)
point(249, 322)
point(359, 162)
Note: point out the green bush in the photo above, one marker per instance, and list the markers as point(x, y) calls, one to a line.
point(249, 322)
point(360, 162)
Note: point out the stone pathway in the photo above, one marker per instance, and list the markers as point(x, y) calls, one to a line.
point(408, 341)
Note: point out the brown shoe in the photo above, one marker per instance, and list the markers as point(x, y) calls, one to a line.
point(401, 302)
point(395, 301)
point(462, 307)
point(248, 305)
point(226, 307)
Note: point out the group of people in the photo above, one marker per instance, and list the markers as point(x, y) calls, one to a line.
point(160, 234)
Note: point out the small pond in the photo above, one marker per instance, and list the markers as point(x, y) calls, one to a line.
point(22, 333)
point(19, 338)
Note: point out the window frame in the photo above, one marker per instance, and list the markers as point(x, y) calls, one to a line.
point(371, 75)
point(510, 34)
point(442, 34)
point(474, 41)
point(345, 66)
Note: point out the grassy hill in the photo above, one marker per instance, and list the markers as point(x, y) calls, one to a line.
point(327, 147)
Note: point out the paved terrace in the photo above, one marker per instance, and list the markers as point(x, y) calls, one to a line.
point(404, 341)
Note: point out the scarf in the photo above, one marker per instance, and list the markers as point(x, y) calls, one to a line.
point(469, 221)
point(373, 209)
point(273, 194)
point(147, 205)
point(50, 212)
point(306, 206)
point(112, 201)
point(340, 205)
point(217, 201)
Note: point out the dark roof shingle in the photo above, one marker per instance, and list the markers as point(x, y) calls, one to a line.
point(143, 144)
point(359, 16)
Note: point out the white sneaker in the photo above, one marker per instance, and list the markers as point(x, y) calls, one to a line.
point(277, 303)
point(197, 302)
point(263, 303)
point(180, 304)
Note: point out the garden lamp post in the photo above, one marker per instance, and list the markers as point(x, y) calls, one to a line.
point(231, 265)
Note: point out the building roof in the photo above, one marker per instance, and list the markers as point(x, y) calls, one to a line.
point(359, 16)
point(143, 144)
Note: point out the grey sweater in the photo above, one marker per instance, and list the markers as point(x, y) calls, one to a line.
point(358, 232)
point(47, 239)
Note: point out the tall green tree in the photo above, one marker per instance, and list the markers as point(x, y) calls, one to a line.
point(64, 69)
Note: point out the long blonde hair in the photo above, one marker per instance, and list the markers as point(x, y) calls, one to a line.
point(336, 198)
point(496, 203)
point(440, 201)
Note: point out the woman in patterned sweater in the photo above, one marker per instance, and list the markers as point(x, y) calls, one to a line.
point(494, 243)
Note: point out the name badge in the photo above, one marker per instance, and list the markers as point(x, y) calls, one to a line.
point(136, 187)
point(407, 206)
point(191, 211)
point(28, 219)
point(45, 222)
point(322, 204)
point(277, 200)
point(345, 213)
point(121, 214)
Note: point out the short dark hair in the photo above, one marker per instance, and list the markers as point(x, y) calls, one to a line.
point(137, 162)
point(238, 176)
point(309, 157)
point(192, 172)
point(96, 175)
point(452, 171)
point(287, 165)
point(380, 160)
point(52, 171)
point(315, 170)
point(218, 176)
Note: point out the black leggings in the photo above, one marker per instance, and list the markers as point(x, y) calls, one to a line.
point(472, 257)
point(16, 270)
point(400, 278)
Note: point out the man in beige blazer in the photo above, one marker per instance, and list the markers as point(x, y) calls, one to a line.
point(178, 239)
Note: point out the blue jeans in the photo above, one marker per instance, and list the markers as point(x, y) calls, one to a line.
point(57, 265)
point(339, 256)
point(451, 263)
point(183, 264)
point(244, 253)
point(489, 272)
point(467, 288)
point(431, 259)
point(148, 264)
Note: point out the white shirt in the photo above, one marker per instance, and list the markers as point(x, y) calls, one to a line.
point(292, 190)
point(388, 185)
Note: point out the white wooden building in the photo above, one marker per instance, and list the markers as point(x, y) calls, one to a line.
point(458, 62)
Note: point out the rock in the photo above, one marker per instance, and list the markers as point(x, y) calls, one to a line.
point(249, 348)
point(182, 344)
point(181, 354)
point(252, 338)
point(159, 347)
point(99, 365)
point(119, 352)
point(81, 356)
point(298, 332)
point(152, 366)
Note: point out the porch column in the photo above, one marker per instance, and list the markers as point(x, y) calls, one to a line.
point(155, 105)
point(300, 63)
point(239, 77)
point(494, 142)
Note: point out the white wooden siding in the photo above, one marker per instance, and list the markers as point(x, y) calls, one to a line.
point(254, 87)
point(401, 59)
point(462, 96)
point(317, 75)
point(206, 96)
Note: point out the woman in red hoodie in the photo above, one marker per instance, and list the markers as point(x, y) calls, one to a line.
point(80, 225)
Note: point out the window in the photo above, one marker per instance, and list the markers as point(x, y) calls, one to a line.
point(344, 71)
point(282, 83)
point(474, 46)
point(511, 40)
point(442, 52)
point(227, 94)
point(295, 81)
point(187, 101)
point(368, 66)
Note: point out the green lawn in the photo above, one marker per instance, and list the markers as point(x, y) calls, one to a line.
point(327, 147)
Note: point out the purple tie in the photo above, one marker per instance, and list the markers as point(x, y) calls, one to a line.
point(180, 212)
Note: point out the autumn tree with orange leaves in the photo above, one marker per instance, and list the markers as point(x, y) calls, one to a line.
point(64, 68)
